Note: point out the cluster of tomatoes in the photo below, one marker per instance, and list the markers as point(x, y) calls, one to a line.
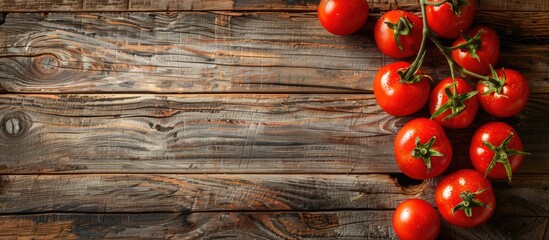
point(422, 150)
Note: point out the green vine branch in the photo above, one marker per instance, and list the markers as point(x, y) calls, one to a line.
point(427, 34)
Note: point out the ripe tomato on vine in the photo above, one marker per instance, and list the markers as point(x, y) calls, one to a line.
point(448, 19)
point(397, 96)
point(422, 150)
point(398, 34)
point(477, 50)
point(504, 94)
point(342, 17)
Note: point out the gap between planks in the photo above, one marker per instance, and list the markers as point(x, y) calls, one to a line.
point(334, 210)
point(182, 213)
point(343, 91)
point(190, 174)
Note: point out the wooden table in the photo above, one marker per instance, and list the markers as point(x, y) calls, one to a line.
point(243, 119)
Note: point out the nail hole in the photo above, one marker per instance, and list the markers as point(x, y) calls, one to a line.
point(3, 18)
point(404, 181)
point(501, 184)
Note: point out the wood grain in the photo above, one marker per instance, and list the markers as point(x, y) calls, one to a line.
point(523, 26)
point(258, 5)
point(136, 193)
point(300, 150)
point(221, 52)
point(246, 225)
point(277, 133)
point(104, 193)
point(499, 227)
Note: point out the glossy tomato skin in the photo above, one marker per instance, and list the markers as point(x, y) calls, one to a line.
point(405, 142)
point(439, 98)
point(447, 196)
point(487, 51)
point(416, 219)
point(512, 98)
point(445, 23)
point(385, 38)
point(399, 99)
point(481, 156)
point(342, 17)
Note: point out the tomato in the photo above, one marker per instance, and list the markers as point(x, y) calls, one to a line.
point(422, 149)
point(396, 97)
point(451, 18)
point(453, 109)
point(496, 150)
point(398, 33)
point(465, 198)
point(481, 53)
point(505, 95)
point(416, 219)
point(342, 17)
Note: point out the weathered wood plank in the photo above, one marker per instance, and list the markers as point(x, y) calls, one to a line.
point(258, 5)
point(219, 52)
point(104, 193)
point(246, 225)
point(198, 133)
point(223, 134)
point(499, 227)
point(524, 25)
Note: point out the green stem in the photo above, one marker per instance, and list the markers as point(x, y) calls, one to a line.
point(414, 67)
point(436, 4)
point(472, 74)
point(444, 52)
point(452, 64)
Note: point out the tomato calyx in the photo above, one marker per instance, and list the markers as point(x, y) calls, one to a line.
point(425, 152)
point(469, 202)
point(402, 28)
point(455, 102)
point(471, 45)
point(502, 153)
point(455, 5)
point(495, 83)
point(407, 76)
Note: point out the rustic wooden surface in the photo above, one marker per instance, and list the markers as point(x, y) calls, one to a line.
point(232, 119)
point(239, 133)
point(239, 5)
point(203, 52)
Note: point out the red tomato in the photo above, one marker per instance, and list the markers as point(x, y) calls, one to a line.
point(422, 149)
point(451, 18)
point(453, 109)
point(486, 48)
point(465, 198)
point(416, 219)
point(506, 95)
point(398, 33)
point(342, 17)
point(399, 98)
point(496, 150)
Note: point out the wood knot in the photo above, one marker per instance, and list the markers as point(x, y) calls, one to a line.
point(223, 20)
point(4, 182)
point(15, 124)
point(47, 64)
